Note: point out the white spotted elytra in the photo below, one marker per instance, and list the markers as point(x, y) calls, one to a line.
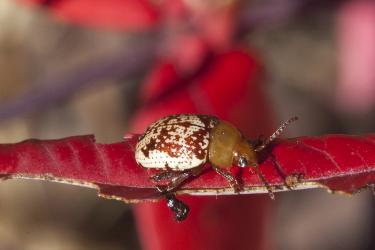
point(177, 142)
point(179, 145)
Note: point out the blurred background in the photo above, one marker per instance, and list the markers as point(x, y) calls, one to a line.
point(81, 67)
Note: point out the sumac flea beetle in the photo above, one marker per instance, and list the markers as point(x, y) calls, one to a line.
point(181, 144)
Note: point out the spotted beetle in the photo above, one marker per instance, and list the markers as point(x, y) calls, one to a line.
point(180, 145)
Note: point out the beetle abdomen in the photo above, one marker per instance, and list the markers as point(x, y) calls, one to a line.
point(178, 142)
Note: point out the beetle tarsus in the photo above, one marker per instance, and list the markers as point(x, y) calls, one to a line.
point(180, 209)
point(265, 182)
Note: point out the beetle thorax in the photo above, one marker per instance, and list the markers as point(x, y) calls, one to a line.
point(228, 146)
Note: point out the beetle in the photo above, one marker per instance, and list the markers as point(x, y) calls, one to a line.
point(180, 145)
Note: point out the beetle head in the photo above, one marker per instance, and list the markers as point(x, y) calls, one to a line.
point(244, 154)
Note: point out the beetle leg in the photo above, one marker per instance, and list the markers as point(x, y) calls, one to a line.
point(177, 180)
point(265, 182)
point(230, 178)
point(174, 183)
point(179, 208)
point(168, 174)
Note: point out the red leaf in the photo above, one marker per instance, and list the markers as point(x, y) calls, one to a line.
point(339, 162)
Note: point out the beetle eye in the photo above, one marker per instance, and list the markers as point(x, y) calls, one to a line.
point(242, 162)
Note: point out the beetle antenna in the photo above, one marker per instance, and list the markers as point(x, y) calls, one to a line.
point(275, 134)
point(265, 182)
